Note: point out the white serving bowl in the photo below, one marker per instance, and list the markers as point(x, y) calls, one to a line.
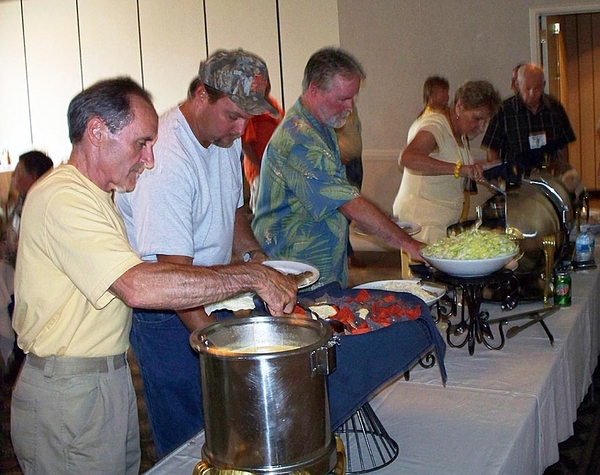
point(470, 267)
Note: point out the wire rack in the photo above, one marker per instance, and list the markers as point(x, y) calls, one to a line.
point(368, 445)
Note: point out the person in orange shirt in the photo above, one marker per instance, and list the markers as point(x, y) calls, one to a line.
point(254, 141)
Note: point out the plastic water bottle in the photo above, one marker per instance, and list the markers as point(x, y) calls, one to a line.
point(584, 246)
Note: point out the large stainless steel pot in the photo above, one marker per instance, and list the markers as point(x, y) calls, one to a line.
point(265, 396)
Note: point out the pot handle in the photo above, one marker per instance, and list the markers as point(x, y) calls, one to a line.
point(204, 468)
point(323, 359)
point(199, 340)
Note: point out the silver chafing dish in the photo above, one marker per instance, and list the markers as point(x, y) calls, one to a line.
point(540, 212)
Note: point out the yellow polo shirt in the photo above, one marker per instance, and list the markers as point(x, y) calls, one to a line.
point(72, 247)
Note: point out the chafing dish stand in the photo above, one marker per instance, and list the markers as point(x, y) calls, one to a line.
point(476, 327)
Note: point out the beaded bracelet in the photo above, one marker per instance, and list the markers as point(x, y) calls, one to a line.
point(457, 168)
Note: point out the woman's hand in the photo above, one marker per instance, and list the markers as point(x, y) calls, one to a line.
point(474, 172)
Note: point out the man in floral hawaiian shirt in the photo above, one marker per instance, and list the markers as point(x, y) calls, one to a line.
point(305, 201)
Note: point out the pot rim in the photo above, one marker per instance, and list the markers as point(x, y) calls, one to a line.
point(200, 338)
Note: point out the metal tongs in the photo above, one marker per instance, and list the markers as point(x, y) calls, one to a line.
point(495, 188)
point(537, 316)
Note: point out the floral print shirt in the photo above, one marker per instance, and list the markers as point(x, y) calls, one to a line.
point(302, 184)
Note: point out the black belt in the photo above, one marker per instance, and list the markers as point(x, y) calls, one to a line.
point(66, 365)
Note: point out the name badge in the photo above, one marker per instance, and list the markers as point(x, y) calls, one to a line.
point(537, 140)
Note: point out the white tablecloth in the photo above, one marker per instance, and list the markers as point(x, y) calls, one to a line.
point(502, 412)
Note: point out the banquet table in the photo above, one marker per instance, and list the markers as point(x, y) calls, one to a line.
point(500, 412)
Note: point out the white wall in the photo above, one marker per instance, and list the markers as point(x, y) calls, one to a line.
point(401, 42)
point(159, 43)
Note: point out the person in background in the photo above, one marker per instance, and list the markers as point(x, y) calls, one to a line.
point(74, 407)
point(305, 200)
point(349, 138)
point(514, 83)
point(31, 167)
point(189, 210)
point(11, 356)
point(437, 159)
point(254, 141)
point(531, 130)
point(435, 94)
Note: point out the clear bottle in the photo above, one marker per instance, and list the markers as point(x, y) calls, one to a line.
point(584, 246)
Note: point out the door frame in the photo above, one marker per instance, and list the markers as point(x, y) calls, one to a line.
point(535, 13)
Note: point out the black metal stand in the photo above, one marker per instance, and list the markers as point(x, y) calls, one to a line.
point(368, 445)
point(475, 328)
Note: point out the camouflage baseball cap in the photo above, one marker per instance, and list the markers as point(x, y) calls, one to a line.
point(242, 76)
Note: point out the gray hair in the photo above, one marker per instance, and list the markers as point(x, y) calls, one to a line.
point(476, 94)
point(110, 100)
point(529, 67)
point(327, 63)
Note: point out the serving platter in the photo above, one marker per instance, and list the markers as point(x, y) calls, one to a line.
point(430, 293)
point(295, 267)
point(360, 311)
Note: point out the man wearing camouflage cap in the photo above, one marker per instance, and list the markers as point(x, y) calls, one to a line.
point(188, 209)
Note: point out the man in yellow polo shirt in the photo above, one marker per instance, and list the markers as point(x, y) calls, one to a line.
point(74, 406)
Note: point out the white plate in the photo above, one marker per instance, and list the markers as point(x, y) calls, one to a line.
point(438, 291)
point(294, 267)
point(408, 228)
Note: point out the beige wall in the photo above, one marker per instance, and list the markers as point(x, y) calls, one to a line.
point(401, 42)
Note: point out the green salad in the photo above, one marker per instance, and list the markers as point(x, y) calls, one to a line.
point(472, 244)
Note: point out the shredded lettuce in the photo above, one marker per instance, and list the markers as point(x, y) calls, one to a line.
point(472, 244)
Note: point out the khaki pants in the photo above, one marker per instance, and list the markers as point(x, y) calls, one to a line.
point(76, 416)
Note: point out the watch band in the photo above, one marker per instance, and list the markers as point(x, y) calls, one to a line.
point(248, 255)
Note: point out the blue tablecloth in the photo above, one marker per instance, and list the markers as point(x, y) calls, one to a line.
point(365, 362)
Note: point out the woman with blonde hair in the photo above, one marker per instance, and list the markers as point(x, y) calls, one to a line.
point(437, 160)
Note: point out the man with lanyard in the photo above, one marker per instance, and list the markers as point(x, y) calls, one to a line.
point(531, 130)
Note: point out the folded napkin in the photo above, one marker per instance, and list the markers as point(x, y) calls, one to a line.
point(239, 302)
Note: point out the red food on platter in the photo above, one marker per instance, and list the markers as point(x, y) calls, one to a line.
point(299, 311)
point(361, 329)
point(345, 315)
point(366, 312)
point(362, 296)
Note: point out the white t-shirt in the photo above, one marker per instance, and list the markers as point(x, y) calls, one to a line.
point(186, 204)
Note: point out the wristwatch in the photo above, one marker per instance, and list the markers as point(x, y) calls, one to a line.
point(247, 257)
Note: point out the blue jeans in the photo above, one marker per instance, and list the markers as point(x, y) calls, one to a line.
point(171, 378)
